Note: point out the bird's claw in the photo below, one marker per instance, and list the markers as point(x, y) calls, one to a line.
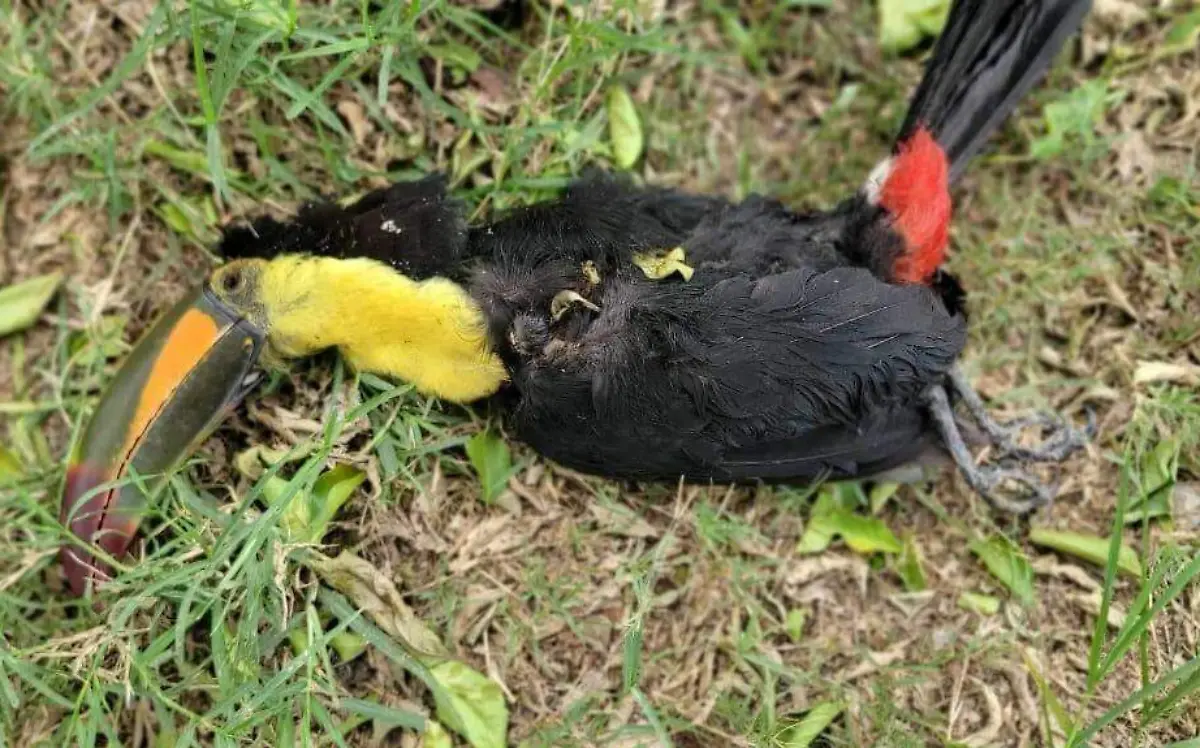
point(987, 480)
point(1063, 440)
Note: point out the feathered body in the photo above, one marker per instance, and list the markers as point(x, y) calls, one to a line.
point(803, 345)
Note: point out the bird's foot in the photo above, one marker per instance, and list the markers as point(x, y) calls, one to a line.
point(992, 481)
point(1063, 439)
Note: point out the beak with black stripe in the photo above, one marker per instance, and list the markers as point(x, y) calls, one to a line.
point(194, 365)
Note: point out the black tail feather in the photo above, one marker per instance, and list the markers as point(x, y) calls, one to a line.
point(989, 55)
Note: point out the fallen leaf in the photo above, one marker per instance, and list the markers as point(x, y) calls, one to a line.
point(1120, 14)
point(21, 303)
point(435, 736)
point(1073, 116)
point(265, 13)
point(458, 60)
point(815, 722)
point(657, 267)
point(1135, 158)
point(252, 462)
point(1158, 471)
point(1184, 34)
point(1148, 372)
point(1091, 603)
point(564, 300)
point(624, 128)
point(800, 573)
point(1185, 504)
point(983, 604)
point(903, 24)
point(308, 513)
point(622, 521)
point(11, 470)
point(376, 595)
point(1087, 547)
point(909, 567)
point(880, 494)
point(471, 704)
point(986, 736)
point(348, 645)
point(1006, 563)
point(876, 661)
point(356, 117)
point(794, 625)
point(492, 461)
point(862, 534)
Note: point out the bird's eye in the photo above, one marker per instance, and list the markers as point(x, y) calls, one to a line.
point(231, 282)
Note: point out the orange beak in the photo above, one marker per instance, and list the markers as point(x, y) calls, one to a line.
point(181, 379)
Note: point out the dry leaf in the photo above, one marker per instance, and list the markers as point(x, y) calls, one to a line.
point(625, 523)
point(377, 596)
point(1119, 14)
point(987, 734)
point(1091, 603)
point(356, 117)
point(1163, 371)
point(1135, 157)
point(657, 267)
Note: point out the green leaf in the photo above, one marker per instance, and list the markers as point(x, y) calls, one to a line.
point(804, 732)
point(492, 461)
point(908, 566)
point(192, 217)
point(1088, 547)
point(333, 489)
point(470, 704)
point(21, 303)
point(818, 534)
point(1006, 562)
point(880, 494)
point(11, 469)
point(903, 24)
point(863, 534)
point(1073, 116)
point(1158, 471)
point(348, 645)
point(308, 513)
point(1184, 33)
point(435, 736)
point(624, 128)
point(796, 618)
point(986, 605)
point(866, 534)
point(845, 496)
point(191, 162)
point(453, 53)
point(252, 461)
point(267, 14)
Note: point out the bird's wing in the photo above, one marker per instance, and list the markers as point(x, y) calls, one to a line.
point(601, 217)
point(736, 378)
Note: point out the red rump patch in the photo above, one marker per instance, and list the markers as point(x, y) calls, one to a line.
point(917, 194)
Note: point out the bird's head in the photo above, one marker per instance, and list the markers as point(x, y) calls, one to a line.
point(372, 279)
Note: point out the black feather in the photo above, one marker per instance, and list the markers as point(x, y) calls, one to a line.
point(990, 53)
point(788, 355)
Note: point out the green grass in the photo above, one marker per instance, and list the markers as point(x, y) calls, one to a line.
point(611, 616)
